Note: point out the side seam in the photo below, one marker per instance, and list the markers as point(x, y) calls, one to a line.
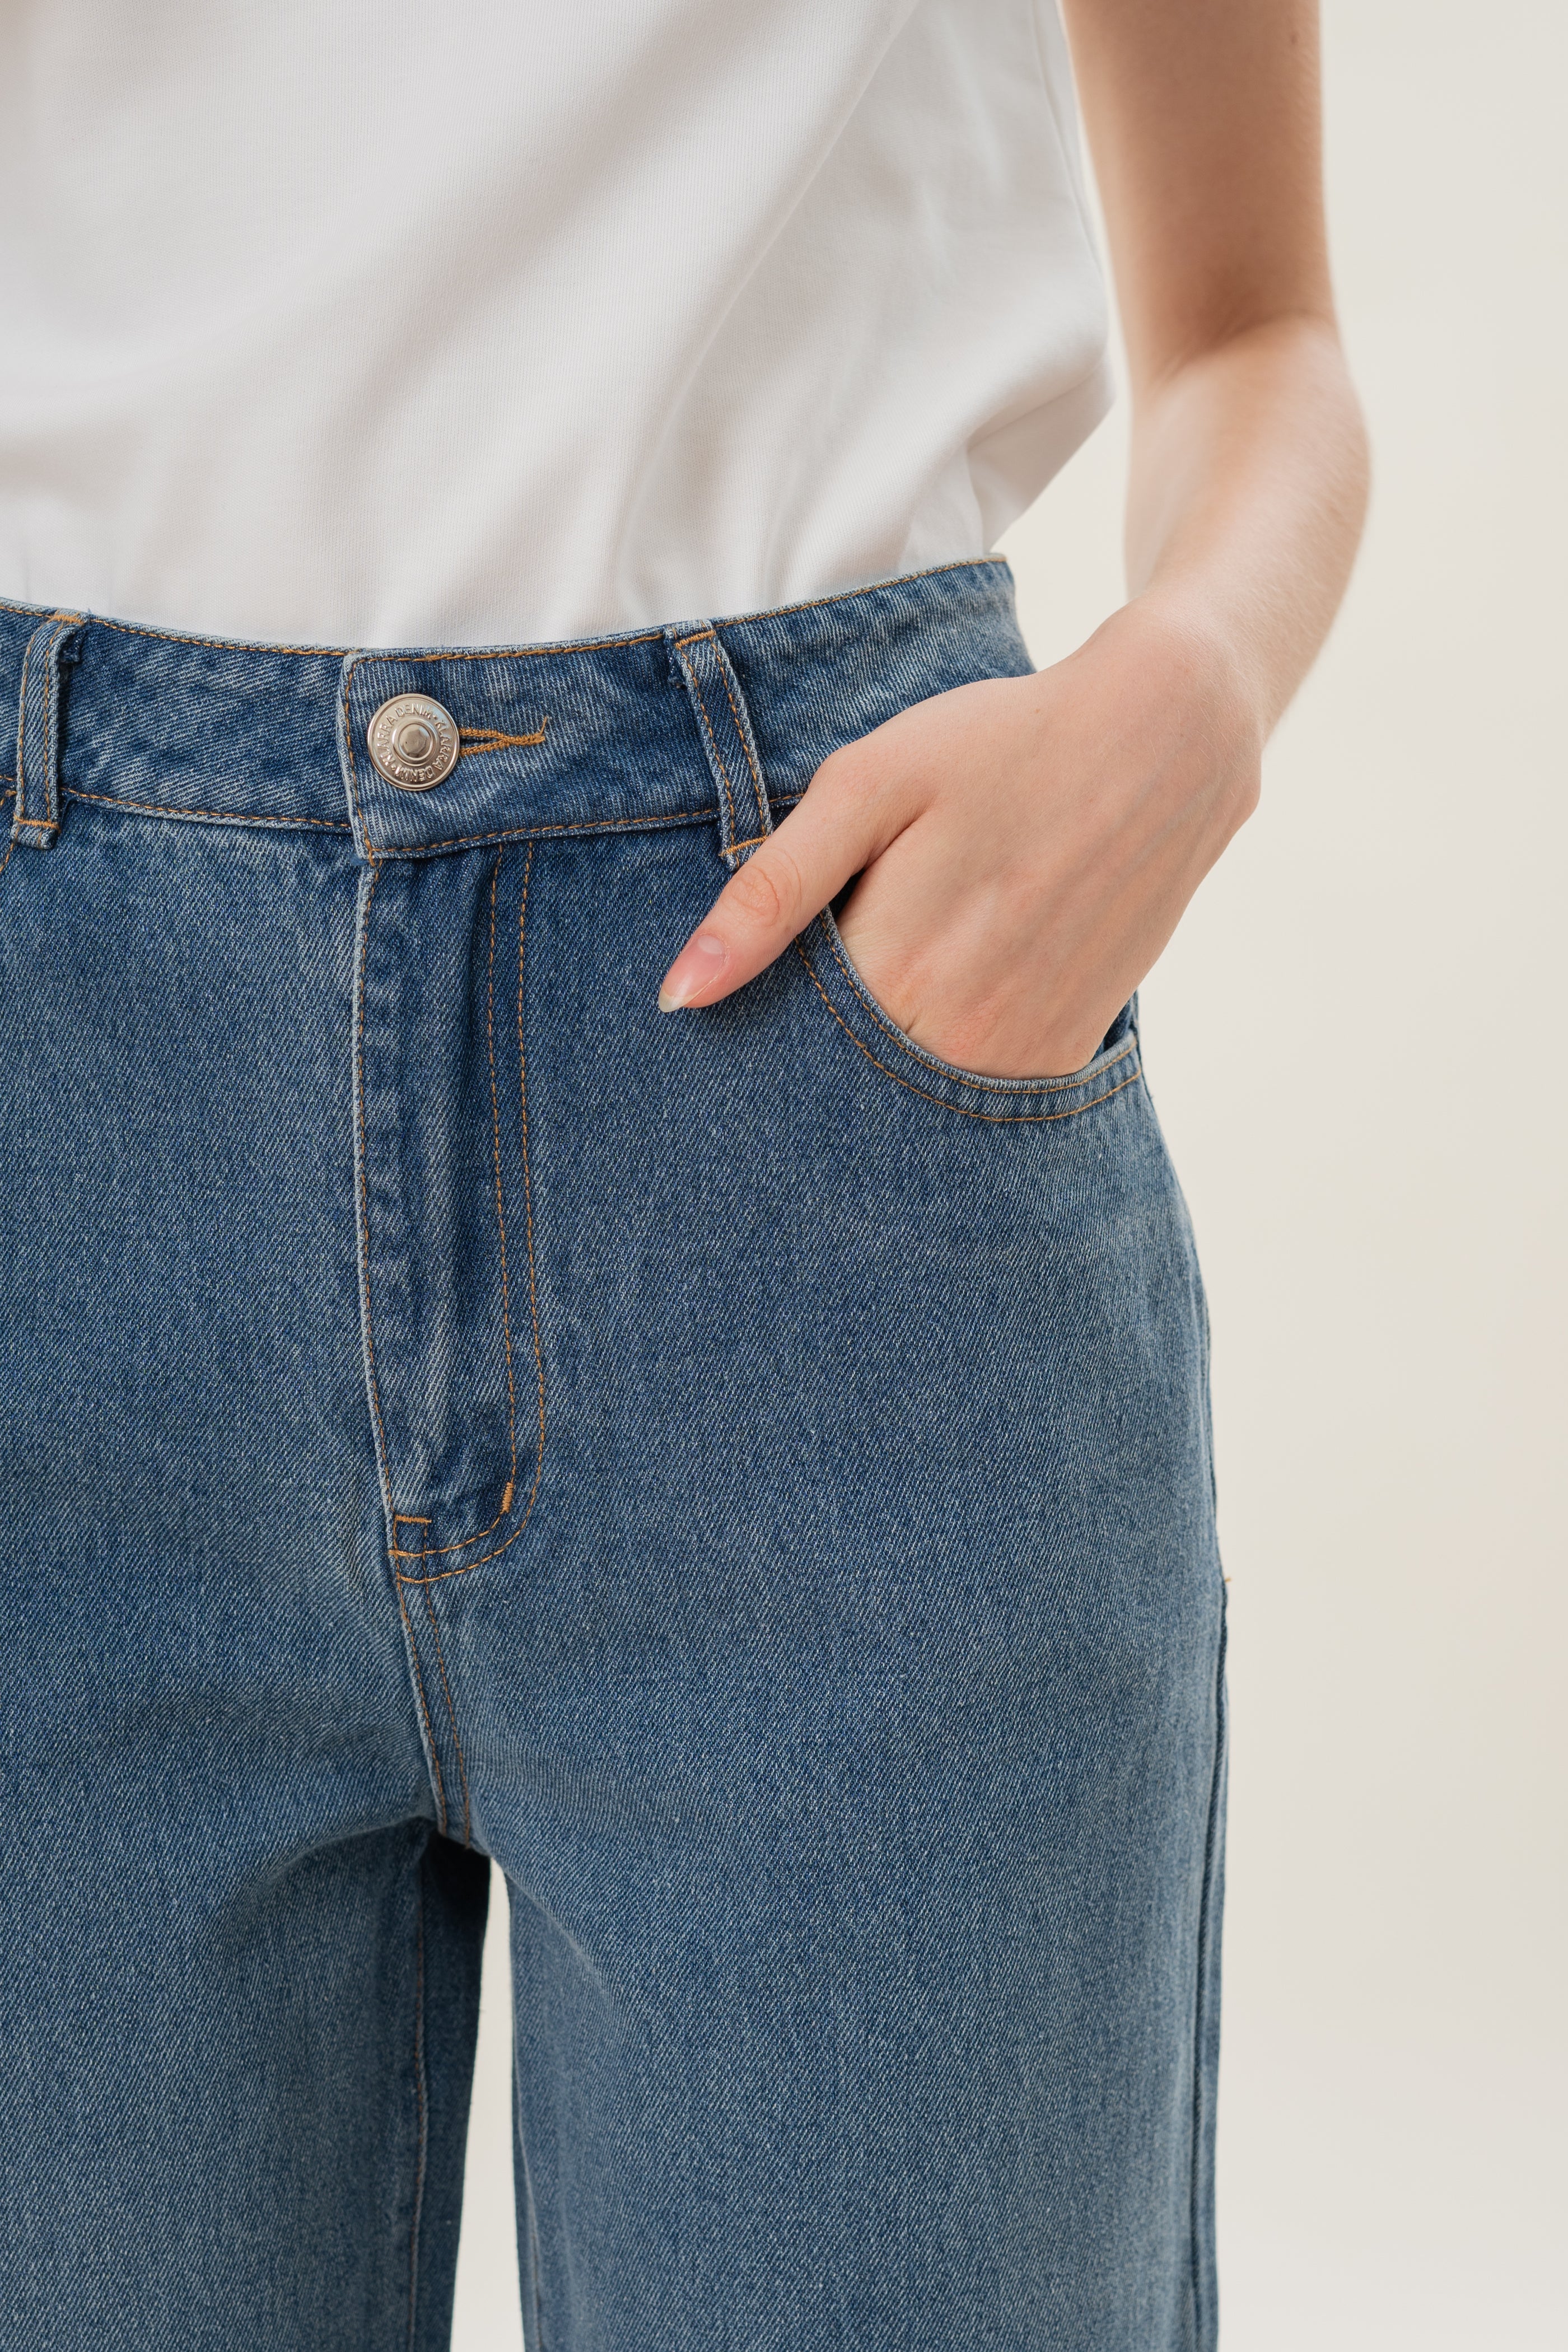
point(421, 2103)
point(1205, 2028)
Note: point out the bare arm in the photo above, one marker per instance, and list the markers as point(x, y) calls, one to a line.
point(1249, 474)
point(1025, 846)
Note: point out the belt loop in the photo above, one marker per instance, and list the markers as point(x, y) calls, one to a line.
point(745, 819)
point(36, 821)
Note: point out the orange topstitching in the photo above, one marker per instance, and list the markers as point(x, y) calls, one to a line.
point(490, 739)
point(745, 745)
point(440, 1575)
point(1013, 1086)
point(713, 747)
point(501, 653)
point(459, 1542)
point(21, 733)
point(991, 1118)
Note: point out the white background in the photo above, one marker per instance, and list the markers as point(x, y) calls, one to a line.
point(1353, 1043)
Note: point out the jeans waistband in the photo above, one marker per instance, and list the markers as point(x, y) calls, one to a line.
point(668, 726)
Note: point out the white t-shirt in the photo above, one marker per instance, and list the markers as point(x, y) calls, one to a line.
point(334, 323)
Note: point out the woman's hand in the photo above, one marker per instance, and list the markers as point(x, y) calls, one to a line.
point(1025, 846)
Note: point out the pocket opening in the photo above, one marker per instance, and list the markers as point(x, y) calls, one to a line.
point(879, 1039)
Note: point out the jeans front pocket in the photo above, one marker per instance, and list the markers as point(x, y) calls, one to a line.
point(883, 1045)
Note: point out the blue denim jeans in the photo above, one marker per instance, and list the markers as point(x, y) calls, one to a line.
point(745, 1475)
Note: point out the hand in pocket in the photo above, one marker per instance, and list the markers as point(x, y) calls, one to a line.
point(1025, 848)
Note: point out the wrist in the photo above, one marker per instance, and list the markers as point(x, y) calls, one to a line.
point(1190, 655)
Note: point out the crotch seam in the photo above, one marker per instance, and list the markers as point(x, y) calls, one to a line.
point(437, 1781)
point(452, 1718)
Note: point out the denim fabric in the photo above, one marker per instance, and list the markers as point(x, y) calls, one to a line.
point(744, 1473)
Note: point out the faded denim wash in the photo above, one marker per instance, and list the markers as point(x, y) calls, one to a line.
point(746, 1475)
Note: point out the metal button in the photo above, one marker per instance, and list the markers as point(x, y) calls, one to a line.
point(413, 742)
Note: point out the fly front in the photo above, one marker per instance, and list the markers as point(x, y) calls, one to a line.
point(450, 1294)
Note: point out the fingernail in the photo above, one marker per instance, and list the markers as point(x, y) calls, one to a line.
point(697, 967)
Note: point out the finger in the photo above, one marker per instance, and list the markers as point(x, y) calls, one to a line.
point(794, 874)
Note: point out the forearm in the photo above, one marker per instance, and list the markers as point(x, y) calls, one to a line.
point(1247, 493)
point(1248, 475)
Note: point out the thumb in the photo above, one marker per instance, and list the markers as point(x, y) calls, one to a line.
point(794, 874)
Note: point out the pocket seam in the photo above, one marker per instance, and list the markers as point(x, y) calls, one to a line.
point(948, 1070)
point(965, 1110)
